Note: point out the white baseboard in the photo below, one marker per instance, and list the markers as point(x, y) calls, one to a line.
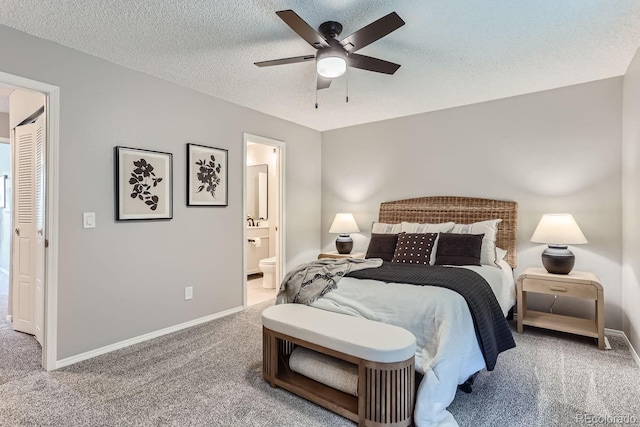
point(617, 333)
point(131, 341)
point(4, 271)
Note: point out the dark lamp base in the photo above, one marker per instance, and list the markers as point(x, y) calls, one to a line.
point(558, 259)
point(344, 244)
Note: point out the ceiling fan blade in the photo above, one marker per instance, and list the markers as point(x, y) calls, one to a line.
point(372, 32)
point(369, 63)
point(323, 82)
point(285, 61)
point(303, 29)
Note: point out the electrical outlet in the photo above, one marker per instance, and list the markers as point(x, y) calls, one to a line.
point(188, 293)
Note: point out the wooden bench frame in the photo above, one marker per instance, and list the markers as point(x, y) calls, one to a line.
point(385, 390)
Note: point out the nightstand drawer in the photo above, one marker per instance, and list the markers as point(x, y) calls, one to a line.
point(575, 290)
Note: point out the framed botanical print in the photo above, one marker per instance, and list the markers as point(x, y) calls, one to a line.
point(144, 184)
point(207, 176)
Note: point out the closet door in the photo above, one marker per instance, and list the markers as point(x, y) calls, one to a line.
point(28, 220)
point(40, 242)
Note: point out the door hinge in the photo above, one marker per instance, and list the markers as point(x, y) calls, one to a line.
point(46, 243)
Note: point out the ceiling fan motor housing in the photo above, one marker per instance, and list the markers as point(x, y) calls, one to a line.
point(330, 29)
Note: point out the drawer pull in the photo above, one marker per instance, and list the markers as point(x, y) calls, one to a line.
point(558, 288)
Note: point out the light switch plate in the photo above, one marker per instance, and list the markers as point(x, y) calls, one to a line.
point(88, 220)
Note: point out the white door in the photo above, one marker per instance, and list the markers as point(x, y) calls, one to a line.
point(40, 231)
point(28, 240)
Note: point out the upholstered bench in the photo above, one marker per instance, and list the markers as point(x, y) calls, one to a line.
point(381, 354)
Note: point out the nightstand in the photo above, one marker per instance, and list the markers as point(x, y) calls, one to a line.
point(577, 284)
point(336, 255)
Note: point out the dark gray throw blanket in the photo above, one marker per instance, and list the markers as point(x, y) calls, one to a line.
point(308, 282)
point(492, 329)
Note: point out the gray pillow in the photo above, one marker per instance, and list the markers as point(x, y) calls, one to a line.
point(459, 249)
point(382, 246)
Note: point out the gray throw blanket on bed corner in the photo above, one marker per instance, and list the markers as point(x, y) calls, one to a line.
point(308, 282)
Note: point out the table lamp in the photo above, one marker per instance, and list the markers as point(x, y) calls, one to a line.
point(558, 231)
point(343, 224)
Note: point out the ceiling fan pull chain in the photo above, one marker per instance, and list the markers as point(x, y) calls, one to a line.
point(316, 93)
point(347, 72)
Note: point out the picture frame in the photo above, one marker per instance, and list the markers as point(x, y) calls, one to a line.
point(207, 176)
point(143, 184)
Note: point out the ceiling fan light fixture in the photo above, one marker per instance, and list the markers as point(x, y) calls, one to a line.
point(333, 55)
point(331, 63)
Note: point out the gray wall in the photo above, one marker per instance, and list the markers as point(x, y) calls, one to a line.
point(631, 203)
point(553, 151)
point(121, 280)
point(4, 125)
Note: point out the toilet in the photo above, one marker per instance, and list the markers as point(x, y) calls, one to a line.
point(268, 268)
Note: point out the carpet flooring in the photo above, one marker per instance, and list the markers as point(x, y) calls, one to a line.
point(20, 354)
point(210, 375)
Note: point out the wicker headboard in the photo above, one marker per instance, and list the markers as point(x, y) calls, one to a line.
point(461, 210)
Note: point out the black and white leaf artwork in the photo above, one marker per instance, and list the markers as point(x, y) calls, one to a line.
point(209, 175)
point(140, 177)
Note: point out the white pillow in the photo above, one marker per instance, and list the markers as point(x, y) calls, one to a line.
point(383, 228)
point(490, 230)
point(500, 254)
point(432, 260)
point(414, 227)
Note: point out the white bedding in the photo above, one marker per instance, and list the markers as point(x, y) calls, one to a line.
point(447, 348)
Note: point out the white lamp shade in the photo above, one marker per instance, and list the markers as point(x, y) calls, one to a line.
point(344, 223)
point(559, 229)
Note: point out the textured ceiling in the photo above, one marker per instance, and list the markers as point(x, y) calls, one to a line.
point(453, 52)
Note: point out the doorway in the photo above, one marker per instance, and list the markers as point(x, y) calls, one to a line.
point(5, 213)
point(263, 218)
point(44, 216)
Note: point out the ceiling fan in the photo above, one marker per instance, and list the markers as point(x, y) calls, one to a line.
point(333, 56)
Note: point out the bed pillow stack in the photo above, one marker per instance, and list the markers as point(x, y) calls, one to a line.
point(414, 227)
point(457, 250)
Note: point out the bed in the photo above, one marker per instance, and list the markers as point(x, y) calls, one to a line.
point(450, 347)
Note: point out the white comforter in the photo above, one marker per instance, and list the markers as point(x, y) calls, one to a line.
point(447, 349)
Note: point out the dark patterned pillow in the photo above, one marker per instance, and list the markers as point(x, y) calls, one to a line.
point(459, 249)
point(414, 248)
point(382, 246)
